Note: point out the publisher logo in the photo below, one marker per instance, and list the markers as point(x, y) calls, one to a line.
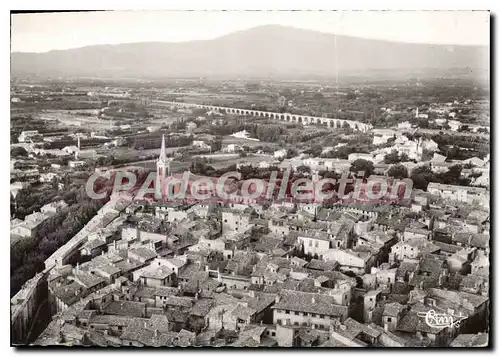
point(434, 319)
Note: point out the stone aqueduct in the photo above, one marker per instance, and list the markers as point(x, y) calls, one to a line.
point(304, 119)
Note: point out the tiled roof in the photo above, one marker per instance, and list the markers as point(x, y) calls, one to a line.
point(125, 308)
point(179, 301)
point(309, 302)
point(317, 264)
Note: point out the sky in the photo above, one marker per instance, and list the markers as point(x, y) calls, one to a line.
point(55, 31)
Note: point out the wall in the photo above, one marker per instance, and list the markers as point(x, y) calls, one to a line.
point(301, 318)
point(26, 304)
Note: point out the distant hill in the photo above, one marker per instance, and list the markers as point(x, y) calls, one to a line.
point(266, 51)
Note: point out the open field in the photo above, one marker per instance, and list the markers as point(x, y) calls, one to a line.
point(72, 119)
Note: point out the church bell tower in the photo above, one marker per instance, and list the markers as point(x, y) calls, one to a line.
point(162, 164)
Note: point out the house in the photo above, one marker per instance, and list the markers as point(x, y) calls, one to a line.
point(153, 128)
point(231, 148)
point(356, 156)
point(280, 154)
point(142, 254)
point(412, 324)
point(460, 261)
point(406, 125)
point(411, 249)
point(191, 126)
point(475, 284)
point(75, 163)
point(470, 340)
point(455, 125)
point(54, 207)
point(296, 308)
point(235, 221)
point(31, 225)
point(471, 195)
point(414, 232)
point(313, 243)
point(233, 317)
point(93, 247)
point(200, 144)
point(429, 145)
point(351, 260)
point(392, 314)
point(438, 158)
point(26, 135)
point(154, 275)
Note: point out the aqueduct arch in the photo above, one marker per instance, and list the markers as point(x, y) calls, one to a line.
point(329, 122)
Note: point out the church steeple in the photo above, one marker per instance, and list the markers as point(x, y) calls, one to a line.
point(162, 164)
point(163, 154)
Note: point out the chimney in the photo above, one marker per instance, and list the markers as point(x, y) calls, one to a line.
point(155, 333)
point(313, 300)
point(145, 324)
point(252, 293)
point(277, 299)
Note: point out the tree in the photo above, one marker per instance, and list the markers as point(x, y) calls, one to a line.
point(315, 150)
point(452, 176)
point(392, 157)
point(304, 169)
point(398, 172)
point(424, 124)
point(291, 152)
point(421, 176)
point(427, 154)
point(464, 128)
point(318, 96)
point(362, 165)
point(395, 158)
point(18, 151)
point(216, 145)
point(404, 158)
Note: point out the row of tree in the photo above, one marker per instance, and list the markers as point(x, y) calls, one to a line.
point(28, 256)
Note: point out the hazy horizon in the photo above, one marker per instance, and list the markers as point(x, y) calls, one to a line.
point(30, 33)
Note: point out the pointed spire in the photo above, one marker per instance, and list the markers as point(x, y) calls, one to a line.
point(163, 154)
point(77, 152)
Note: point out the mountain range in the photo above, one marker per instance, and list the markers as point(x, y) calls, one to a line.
point(265, 51)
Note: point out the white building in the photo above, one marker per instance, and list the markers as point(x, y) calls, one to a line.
point(280, 154)
point(200, 144)
point(454, 125)
point(25, 136)
point(460, 193)
point(356, 155)
point(231, 148)
point(74, 164)
point(404, 125)
point(430, 145)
